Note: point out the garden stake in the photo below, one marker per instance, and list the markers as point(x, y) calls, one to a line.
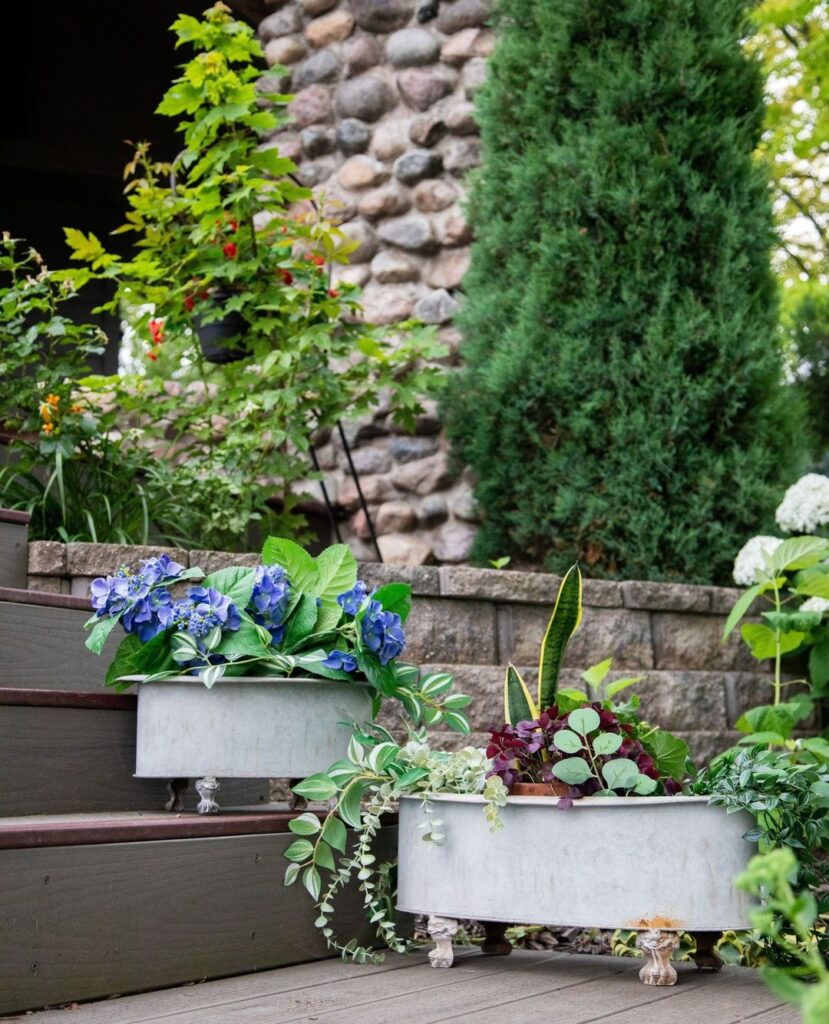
point(363, 504)
point(332, 518)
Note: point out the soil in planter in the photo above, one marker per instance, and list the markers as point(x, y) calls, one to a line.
point(539, 789)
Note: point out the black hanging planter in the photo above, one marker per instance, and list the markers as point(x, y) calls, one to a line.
point(222, 341)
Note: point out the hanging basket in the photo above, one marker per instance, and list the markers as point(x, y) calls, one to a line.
point(222, 341)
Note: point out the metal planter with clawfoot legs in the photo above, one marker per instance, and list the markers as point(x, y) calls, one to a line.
point(655, 865)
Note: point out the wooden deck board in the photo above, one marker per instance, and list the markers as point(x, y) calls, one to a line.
point(535, 987)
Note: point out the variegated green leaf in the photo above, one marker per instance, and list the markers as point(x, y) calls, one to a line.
point(563, 623)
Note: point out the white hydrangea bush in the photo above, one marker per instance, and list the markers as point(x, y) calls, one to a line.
point(805, 505)
point(815, 604)
point(751, 559)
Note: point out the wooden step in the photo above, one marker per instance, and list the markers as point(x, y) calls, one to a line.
point(99, 905)
point(67, 744)
point(63, 751)
point(42, 642)
point(14, 547)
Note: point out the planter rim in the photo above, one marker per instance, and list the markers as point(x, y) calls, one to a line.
point(270, 680)
point(583, 803)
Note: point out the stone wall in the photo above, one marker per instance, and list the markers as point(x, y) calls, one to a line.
point(471, 622)
point(384, 133)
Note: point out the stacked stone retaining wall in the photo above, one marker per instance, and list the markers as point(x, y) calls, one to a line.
point(471, 622)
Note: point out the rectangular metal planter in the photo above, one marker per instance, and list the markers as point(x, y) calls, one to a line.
point(245, 727)
point(644, 863)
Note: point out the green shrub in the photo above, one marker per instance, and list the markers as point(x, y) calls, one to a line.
point(620, 400)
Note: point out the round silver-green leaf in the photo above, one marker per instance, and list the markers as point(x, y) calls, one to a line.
point(572, 770)
point(620, 773)
point(607, 743)
point(567, 741)
point(583, 720)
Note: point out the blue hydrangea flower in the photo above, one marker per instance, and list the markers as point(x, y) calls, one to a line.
point(270, 599)
point(202, 610)
point(352, 600)
point(150, 615)
point(112, 595)
point(158, 570)
point(341, 661)
point(382, 632)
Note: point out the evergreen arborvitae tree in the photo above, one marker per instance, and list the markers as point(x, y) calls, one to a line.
point(621, 399)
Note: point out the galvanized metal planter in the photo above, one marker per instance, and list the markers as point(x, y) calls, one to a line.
point(658, 865)
point(244, 728)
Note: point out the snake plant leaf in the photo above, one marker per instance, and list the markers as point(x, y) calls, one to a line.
point(563, 624)
point(518, 704)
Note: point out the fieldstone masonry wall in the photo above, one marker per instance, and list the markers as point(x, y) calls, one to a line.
point(471, 622)
point(384, 133)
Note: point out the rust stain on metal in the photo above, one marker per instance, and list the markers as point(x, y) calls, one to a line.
point(661, 923)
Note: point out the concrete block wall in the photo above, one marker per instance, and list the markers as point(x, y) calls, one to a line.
point(471, 622)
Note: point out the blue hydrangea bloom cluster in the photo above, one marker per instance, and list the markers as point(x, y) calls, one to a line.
point(352, 600)
point(382, 632)
point(146, 611)
point(203, 609)
point(270, 599)
point(341, 661)
point(150, 615)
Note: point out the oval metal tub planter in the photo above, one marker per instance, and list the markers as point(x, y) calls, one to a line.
point(656, 865)
point(243, 728)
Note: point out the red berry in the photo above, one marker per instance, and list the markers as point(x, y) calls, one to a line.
point(152, 355)
point(229, 249)
point(333, 293)
point(319, 261)
point(233, 226)
point(286, 276)
point(189, 302)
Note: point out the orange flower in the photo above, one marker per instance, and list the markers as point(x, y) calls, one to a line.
point(53, 400)
point(77, 409)
point(45, 412)
point(48, 428)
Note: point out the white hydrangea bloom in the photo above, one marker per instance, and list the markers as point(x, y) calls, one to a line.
point(751, 559)
point(815, 604)
point(805, 505)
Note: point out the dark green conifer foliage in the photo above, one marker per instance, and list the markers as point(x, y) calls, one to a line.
point(620, 399)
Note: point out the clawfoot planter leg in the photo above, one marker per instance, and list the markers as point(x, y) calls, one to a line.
point(206, 788)
point(441, 931)
point(657, 947)
point(496, 943)
point(706, 957)
point(176, 788)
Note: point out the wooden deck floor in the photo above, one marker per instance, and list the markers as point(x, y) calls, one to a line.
point(530, 987)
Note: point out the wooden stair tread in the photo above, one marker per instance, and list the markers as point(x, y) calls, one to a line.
point(87, 829)
point(11, 515)
point(90, 829)
point(24, 696)
point(16, 595)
